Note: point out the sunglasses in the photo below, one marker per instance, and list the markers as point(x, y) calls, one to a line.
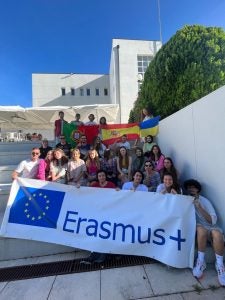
point(35, 153)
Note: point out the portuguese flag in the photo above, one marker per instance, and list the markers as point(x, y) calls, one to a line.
point(73, 133)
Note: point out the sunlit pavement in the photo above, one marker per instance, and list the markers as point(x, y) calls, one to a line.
point(153, 281)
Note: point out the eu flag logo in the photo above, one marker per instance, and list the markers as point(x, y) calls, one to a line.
point(36, 207)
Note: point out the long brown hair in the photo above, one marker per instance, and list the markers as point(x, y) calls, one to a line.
point(121, 158)
point(96, 159)
point(64, 159)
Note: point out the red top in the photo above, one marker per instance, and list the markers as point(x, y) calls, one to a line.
point(58, 129)
point(109, 185)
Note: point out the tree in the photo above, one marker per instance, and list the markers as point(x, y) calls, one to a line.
point(132, 118)
point(189, 66)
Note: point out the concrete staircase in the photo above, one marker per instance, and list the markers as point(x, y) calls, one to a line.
point(10, 156)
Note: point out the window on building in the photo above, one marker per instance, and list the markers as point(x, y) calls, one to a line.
point(88, 92)
point(105, 92)
point(63, 91)
point(72, 90)
point(96, 92)
point(143, 62)
point(81, 92)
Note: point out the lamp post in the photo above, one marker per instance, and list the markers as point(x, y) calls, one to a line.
point(159, 19)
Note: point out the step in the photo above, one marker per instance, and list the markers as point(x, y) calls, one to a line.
point(13, 158)
point(12, 248)
point(6, 172)
point(24, 146)
point(19, 248)
point(4, 195)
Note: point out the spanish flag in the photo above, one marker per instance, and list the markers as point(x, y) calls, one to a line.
point(112, 133)
point(149, 127)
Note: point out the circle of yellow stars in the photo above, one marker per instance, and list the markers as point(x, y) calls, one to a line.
point(44, 209)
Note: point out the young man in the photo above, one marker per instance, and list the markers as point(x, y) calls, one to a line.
point(91, 121)
point(64, 146)
point(44, 149)
point(83, 146)
point(28, 167)
point(206, 220)
point(59, 126)
point(77, 121)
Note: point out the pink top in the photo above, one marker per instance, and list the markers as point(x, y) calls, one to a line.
point(159, 163)
point(92, 168)
point(41, 169)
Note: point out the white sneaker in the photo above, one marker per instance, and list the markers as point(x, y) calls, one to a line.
point(221, 273)
point(199, 268)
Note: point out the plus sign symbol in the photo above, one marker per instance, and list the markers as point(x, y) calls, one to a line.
point(177, 238)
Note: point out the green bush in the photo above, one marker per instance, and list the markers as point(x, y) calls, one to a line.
point(189, 66)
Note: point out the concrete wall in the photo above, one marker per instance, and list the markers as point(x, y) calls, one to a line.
point(121, 83)
point(124, 71)
point(194, 139)
point(46, 89)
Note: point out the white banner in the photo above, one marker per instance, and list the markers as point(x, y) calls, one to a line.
point(103, 220)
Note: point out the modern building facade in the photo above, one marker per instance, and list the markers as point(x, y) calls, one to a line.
point(129, 61)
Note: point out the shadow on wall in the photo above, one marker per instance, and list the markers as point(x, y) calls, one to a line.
point(94, 92)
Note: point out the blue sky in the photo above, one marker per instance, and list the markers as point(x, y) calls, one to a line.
point(74, 36)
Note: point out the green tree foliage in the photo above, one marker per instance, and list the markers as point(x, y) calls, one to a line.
point(189, 66)
point(132, 118)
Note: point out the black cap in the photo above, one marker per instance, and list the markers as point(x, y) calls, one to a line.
point(193, 182)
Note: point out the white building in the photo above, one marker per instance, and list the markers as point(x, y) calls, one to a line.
point(129, 61)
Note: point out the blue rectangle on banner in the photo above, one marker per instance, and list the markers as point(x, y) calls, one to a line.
point(36, 207)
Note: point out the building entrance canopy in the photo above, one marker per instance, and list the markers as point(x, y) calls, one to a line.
point(37, 118)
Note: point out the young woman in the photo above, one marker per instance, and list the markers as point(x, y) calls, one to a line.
point(76, 169)
point(99, 146)
point(102, 181)
point(48, 159)
point(124, 162)
point(102, 124)
point(108, 164)
point(102, 121)
point(151, 177)
point(93, 165)
point(138, 161)
point(168, 167)
point(169, 185)
point(156, 157)
point(136, 184)
point(146, 114)
point(58, 166)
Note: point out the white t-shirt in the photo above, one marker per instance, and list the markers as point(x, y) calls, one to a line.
point(90, 123)
point(129, 186)
point(28, 168)
point(126, 145)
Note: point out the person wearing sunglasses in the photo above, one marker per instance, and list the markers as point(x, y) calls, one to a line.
point(28, 168)
point(151, 177)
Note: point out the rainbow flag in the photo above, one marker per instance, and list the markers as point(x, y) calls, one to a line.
point(112, 133)
point(150, 126)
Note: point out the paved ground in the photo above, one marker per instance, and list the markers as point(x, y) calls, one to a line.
point(154, 281)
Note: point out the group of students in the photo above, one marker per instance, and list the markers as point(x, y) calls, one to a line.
point(115, 167)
